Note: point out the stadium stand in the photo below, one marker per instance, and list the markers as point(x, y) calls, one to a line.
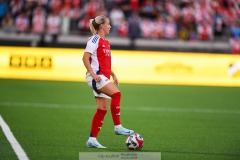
point(170, 25)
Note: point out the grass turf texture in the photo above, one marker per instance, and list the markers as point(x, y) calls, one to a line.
point(51, 120)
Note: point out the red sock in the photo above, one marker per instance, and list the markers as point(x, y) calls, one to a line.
point(97, 122)
point(115, 108)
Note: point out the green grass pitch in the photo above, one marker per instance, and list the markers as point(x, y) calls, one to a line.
point(51, 120)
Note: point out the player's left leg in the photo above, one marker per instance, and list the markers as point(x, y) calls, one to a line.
point(111, 90)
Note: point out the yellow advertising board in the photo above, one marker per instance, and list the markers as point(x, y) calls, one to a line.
point(138, 67)
point(176, 68)
point(41, 63)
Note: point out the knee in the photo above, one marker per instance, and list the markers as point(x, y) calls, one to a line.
point(116, 95)
point(105, 108)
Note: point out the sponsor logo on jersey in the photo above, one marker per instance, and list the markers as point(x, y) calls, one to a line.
point(107, 52)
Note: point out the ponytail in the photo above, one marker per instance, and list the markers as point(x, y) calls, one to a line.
point(95, 23)
point(92, 29)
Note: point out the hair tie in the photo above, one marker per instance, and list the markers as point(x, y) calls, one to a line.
point(94, 22)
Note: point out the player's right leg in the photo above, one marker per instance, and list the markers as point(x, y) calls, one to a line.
point(97, 122)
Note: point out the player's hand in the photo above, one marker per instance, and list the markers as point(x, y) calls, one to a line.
point(97, 78)
point(115, 80)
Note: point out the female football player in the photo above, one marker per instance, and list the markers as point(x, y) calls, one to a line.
point(97, 60)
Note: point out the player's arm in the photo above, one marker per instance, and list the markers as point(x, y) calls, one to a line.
point(115, 80)
point(86, 61)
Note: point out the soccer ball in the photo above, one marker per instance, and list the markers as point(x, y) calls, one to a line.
point(134, 142)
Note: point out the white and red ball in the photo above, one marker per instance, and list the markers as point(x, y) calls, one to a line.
point(134, 142)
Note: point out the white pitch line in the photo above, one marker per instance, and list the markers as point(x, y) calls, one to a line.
point(46, 105)
point(13, 141)
point(139, 108)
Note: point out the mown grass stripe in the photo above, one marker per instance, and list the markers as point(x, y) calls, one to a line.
point(139, 108)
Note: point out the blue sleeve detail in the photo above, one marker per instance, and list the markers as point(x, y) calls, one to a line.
point(95, 38)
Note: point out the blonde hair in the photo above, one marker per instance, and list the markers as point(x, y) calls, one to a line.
point(95, 23)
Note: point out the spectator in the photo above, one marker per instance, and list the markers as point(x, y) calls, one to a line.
point(84, 25)
point(8, 23)
point(205, 31)
point(218, 24)
point(147, 28)
point(55, 5)
point(116, 16)
point(160, 8)
point(170, 29)
point(28, 9)
point(235, 30)
point(3, 10)
point(134, 30)
point(65, 14)
point(53, 25)
point(159, 26)
point(148, 9)
point(91, 8)
point(172, 10)
point(38, 20)
point(134, 5)
point(22, 23)
point(123, 28)
point(235, 45)
point(187, 24)
point(230, 14)
point(16, 7)
point(75, 15)
point(102, 11)
point(126, 6)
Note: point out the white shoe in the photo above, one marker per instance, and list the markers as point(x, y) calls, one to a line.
point(123, 131)
point(94, 144)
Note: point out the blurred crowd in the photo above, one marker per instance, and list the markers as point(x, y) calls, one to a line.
point(156, 19)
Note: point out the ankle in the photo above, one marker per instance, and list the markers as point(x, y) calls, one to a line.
point(92, 138)
point(118, 126)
